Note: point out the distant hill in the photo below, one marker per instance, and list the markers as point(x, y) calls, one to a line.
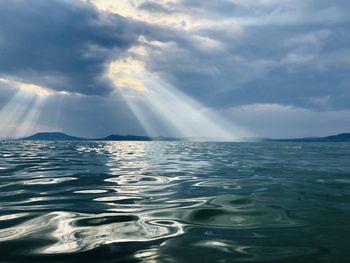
point(343, 137)
point(51, 136)
point(58, 136)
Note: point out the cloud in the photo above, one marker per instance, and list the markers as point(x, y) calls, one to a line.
point(284, 64)
point(155, 7)
point(62, 45)
point(68, 46)
point(287, 58)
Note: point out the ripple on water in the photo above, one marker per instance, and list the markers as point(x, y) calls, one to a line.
point(91, 191)
point(139, 179)
point(72, 232)
point(145, 185)
point(158, 201)
point(49, 180)
point(254, 253)
point(238, 212)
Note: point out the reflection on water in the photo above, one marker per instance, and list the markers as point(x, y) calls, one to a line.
point(174, 202)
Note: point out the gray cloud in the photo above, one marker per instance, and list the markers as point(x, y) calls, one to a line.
point(156, 7)
point(63, 45)
point(266, 59)
point(242, 52)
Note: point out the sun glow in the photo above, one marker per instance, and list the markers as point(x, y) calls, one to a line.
point(27, 87)
point(128, 73)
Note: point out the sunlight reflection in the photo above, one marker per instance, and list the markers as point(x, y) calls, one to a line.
point(80, 232)
point(125, 156)
point(71, 232)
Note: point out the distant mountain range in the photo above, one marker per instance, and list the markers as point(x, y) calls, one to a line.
point(52, 136)
point(343, 137)
point(58, 136)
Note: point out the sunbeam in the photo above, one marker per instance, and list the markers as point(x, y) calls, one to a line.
point(28, 124)
point(160, 106)
point(19, 116)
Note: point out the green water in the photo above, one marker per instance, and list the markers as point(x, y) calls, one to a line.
point(174, 202)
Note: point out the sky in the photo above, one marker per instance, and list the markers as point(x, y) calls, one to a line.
point(221, 69)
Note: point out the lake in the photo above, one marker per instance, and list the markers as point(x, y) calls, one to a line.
point(174, 202)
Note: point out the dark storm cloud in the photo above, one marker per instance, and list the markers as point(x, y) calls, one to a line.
point(63, 45)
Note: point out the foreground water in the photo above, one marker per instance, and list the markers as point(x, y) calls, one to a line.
point(174, 202)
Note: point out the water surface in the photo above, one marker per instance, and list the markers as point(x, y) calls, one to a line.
point(174, 202)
